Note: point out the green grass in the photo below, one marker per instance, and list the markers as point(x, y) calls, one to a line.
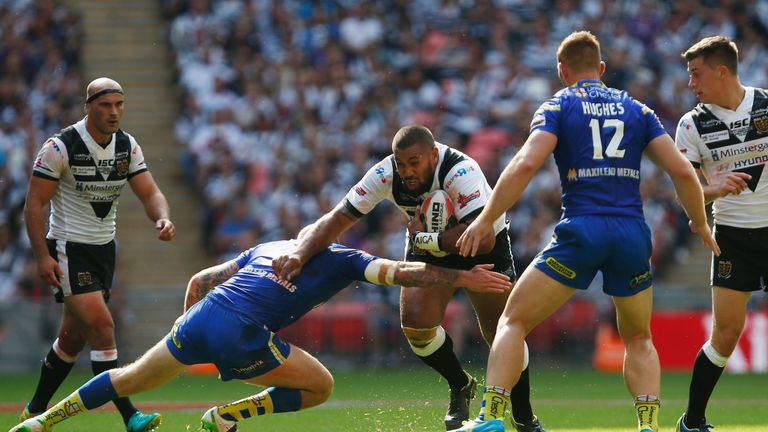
point(566, 400)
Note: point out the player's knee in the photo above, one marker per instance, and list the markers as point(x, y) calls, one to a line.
point(425, 341)
point(326, 387)
point(725, 339)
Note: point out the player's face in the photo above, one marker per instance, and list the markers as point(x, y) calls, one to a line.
point(104, 115)
point(416, 166)
point(704, 80)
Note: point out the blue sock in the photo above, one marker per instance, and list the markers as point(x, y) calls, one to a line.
point(98, 391)
point(285, 399)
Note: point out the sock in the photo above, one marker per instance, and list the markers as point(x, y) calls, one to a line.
point(707, 368)
point(52, 373)
point(445, 362)
point(272, 400)
point(102, 361)
point(495, 403)
point(647, 410)
point(93, 394)
point(520, 398)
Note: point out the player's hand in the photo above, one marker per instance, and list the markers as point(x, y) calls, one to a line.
point(483, 280)
point(705, 233)
point(287, 266)
point(416, 223)
point(734, 183)
point(470, 239)
point(166, 228)
point(49, 270)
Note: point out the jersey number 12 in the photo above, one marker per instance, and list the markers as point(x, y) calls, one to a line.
point(613, 145)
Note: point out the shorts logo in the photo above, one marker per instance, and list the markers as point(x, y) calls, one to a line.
point(258, 364)
point(724, 269)
point(173, 336)
point(84, 279)
point(639, 279)
point(560, 268)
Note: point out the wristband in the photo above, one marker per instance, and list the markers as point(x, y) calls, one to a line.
point(427, 241)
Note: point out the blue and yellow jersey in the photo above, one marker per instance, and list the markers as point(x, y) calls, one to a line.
point(601, 135)
point(256, 292)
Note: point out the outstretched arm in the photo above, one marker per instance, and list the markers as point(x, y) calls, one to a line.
point(508, 189)
point(314, 239)
point(480, 279)
point(39, 194)
point(663, 153)
point(202, 282)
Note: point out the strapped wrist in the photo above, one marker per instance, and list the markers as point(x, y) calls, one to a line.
point(428, 241)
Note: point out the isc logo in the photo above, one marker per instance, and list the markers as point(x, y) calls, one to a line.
point(739, 123)
point(106, 163)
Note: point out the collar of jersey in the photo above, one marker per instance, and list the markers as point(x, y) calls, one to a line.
point(589, 83)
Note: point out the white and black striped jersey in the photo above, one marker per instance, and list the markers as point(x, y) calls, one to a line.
point(456, 173)
point(719, 141)
point(90, 181)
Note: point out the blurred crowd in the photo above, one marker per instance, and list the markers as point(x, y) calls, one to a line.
point(41, 91)
point(285, 104)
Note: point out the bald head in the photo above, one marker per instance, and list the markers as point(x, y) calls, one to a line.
point(101, 86)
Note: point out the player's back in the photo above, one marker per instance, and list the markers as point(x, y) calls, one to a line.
point(601, 135)
point(256, 292)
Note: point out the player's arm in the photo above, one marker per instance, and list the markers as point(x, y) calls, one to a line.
point(446, 240)
point(155, 204)
point(480, 278)
point(205, 280)
point(314, 239)
point(512, 182)
point(39, 194)
point(662, 151)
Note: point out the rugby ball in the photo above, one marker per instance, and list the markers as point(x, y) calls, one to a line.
point(437, 214)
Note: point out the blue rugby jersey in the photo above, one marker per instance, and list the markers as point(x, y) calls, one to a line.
point(601, 135)
point(255, 292)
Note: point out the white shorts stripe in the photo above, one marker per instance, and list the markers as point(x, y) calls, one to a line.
point(61, 253)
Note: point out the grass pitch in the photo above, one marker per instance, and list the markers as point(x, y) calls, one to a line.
point(566, 400)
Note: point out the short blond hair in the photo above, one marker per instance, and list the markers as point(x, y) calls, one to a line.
point(580, 51)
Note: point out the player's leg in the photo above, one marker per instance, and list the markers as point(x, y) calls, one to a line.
point(156, 367)
point(300, 382)
point(642, 373)
point(421, 316)
point(535, 297)
point(489, 308)
point(57, 363)
point(729, 315)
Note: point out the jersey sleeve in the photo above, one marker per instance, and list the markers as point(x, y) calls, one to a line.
point(547, 117)
point(351, 262)
point(467, 187)
point(51, 161)
point(686, 140)
point(244, 257)
point(653, 126)
point(375, 186)
point(138, 164)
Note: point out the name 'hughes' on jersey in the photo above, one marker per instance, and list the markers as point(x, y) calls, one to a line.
point(90, 178)
point(456, 173)
point(602, 133)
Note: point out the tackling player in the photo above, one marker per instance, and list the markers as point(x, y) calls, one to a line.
point(598, 136)
point(418, 166)
point(232, 312)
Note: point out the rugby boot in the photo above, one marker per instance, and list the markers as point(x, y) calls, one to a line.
point(681, 427)
point(213, 422)
point(477, 425)
point(140, 422)
point(33, 424)
point(458, 407)
point(531, 426)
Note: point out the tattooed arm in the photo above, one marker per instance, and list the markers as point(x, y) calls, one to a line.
point(480, 279)
point(205, 280)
